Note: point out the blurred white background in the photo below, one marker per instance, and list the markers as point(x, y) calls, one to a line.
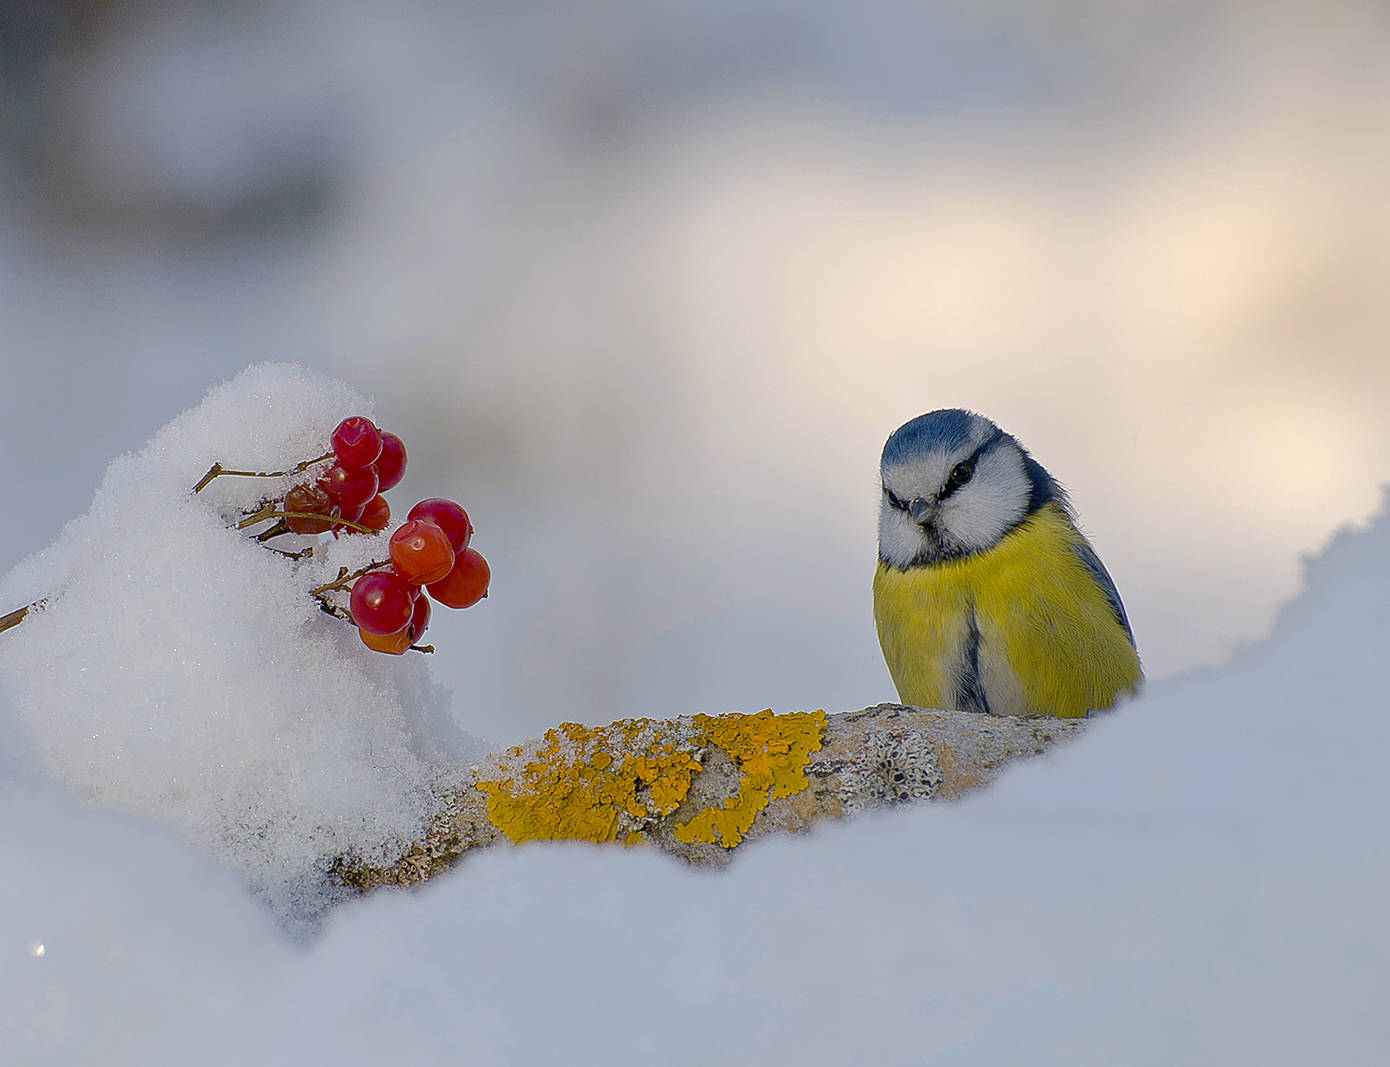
point(646, 285)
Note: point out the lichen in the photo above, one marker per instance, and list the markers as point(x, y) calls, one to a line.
point(898, 766)
point(771, 752)
point(587, 783)
point(614, 782)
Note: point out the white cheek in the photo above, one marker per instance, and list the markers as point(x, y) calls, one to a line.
point(994, 502)
point(899, 539)
point(977, 523)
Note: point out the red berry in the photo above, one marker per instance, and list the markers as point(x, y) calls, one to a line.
point(311, 500)
point(351, 487)
point(390, 465)
point(420, 552)
point(396, 644)
point(376, 514)
point(357, 442)
point(466, 583)
point(382, 603)
point(400, 642)
point(420, 618)
point(352, 515)
point(448, 516)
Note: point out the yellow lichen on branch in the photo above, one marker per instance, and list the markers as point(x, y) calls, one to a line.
point(586, 783)
point(614, 782)
point(700, 787)
point(771, 752)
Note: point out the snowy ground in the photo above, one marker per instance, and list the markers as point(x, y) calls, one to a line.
point(1200, 879)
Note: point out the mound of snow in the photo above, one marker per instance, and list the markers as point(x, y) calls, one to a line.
point(180, 670)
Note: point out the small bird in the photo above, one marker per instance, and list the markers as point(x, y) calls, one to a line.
point(987, 597)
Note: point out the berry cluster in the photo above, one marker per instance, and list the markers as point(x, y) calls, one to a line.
point(429, 554)
point(347, 496)
point(389, 600)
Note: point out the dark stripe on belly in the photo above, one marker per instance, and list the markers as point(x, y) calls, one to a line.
point(970, 693)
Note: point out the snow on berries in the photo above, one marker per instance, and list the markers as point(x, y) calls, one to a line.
point(427, 556)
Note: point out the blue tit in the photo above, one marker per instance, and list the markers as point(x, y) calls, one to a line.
point(987, 597)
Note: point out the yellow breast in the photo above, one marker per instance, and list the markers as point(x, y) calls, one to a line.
point(1026, 622)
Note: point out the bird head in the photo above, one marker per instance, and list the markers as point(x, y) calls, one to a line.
point(954, 483)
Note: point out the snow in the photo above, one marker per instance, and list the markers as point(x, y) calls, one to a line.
point(180, 670)
point(1199, 879)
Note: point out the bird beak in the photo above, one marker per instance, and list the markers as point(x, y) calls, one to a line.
point(923, 511)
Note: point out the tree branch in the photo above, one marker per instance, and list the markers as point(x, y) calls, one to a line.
point(700, 786)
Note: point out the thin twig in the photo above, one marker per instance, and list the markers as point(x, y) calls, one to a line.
point(303, 553)
point(275, 531)
point(217, 470)
point(345, 579)
point(330, 608)
point(266, 512)
point(269, 512)
point(336, 522)
point(16, 617)
point(212, 473)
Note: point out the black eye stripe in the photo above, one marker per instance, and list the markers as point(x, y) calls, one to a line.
point(960, 475)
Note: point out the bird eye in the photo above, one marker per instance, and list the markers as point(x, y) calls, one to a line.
point(893, 500)
point(960, 474)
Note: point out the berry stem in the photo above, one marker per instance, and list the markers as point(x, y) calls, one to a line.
point(303, 553)
point(269, 512)
point(217, 470)
point(345, 578)
point(336, 522)
point(330, 608)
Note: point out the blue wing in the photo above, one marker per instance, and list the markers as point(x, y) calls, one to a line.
point(1107, 585)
